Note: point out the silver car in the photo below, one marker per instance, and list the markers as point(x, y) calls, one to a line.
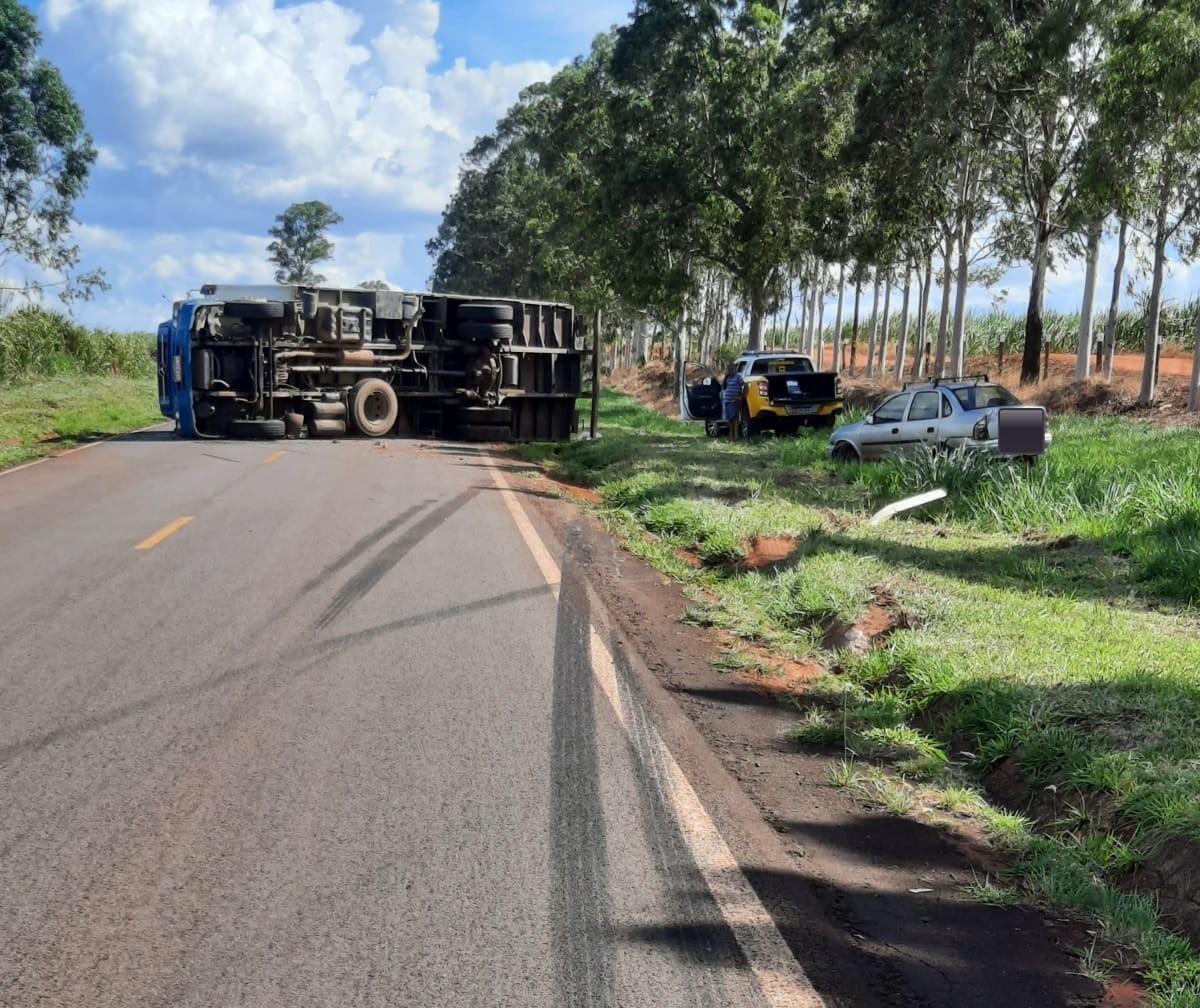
point(949, 413)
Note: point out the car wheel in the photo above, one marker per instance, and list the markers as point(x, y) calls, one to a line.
point(844, 451)
point(374, 407)
point(749, 426)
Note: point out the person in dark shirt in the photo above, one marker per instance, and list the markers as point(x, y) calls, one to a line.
point(731, 399)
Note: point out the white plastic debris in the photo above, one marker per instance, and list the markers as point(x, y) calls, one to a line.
point(907, 504)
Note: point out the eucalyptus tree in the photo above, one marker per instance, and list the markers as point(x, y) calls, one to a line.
point(709, 166)
point(1150, 102)
point(1048, 67)
point(523, 219)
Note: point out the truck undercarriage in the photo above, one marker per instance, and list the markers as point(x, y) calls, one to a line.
point(322, 361)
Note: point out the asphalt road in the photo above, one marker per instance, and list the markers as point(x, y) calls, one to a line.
point(336, 739)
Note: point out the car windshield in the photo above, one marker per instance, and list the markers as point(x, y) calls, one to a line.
point(975, 397)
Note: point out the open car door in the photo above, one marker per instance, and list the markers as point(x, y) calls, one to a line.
point(700, 397)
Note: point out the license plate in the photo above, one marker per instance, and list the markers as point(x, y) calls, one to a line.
point(798, 410)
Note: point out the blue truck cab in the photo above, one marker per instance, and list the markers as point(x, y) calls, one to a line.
point(176, 400)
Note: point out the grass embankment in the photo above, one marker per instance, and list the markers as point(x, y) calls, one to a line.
point(1047, 635)
point(61, 384)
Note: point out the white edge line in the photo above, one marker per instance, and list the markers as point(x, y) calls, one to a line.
point(780, 976)
point(79, 448)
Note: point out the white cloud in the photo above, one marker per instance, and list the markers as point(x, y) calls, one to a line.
point(273, 101)
point(166, 267)
point(106, 157)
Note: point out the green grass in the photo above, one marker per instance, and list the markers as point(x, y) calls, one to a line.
point(61, 384)
point(1051, 625)
point(47, 415)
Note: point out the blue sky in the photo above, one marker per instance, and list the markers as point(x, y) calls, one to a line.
point(212, 116)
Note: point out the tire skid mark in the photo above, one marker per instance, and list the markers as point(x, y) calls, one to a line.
point(579, 899)
point(697, 932)
point(780, 976)
point(364, 544)
point(386, 559)
point(307, 653)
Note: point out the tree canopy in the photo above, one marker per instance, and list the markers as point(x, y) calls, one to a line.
point(765, 141)
point(300, 242)
point(45, 156)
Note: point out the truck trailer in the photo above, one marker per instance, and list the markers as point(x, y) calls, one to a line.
point(276, 361)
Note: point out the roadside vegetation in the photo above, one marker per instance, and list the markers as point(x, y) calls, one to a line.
point(61, 384)
point(1042, 677)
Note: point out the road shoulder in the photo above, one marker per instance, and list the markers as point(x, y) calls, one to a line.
point(867, 900)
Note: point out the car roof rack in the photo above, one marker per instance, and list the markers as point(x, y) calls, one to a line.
point(948, 380)
point(954, 379)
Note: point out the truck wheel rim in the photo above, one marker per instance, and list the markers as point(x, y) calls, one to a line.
point(375, 407)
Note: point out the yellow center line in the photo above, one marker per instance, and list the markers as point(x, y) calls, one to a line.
point(273, 457)
point(162, 533)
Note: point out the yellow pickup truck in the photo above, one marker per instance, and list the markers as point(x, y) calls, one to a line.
point(781, 392)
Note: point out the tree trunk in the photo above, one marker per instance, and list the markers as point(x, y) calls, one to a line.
point(854, 327)
point(819, 333)
point(814, 313)
point(958, 361)
point(680, 349)
point(902, 344)
point(1110, 324)
point(1194, 387)
point(923, 317)
point(757, 301)
point(939, 365)
point(643, 340)
point(885, 327)
point(874, 326)
point(1154, 309)
point(837, 325)
point(787, 324)
point(1034, 315)
point(1083, 355)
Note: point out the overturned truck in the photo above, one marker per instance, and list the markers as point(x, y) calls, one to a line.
point(297, 361)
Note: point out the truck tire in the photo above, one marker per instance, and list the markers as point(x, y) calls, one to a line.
point(256, 429)
point(749, 427)
point(484, 432)
point(474, 416)
point(485, 331)
point(254, 309)
point(374, 407)
point(485, 313)
point(326, 428)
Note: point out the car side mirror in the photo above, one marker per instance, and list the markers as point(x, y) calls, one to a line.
point(869, 418)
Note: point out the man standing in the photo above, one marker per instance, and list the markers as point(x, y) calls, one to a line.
point(731, 399)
